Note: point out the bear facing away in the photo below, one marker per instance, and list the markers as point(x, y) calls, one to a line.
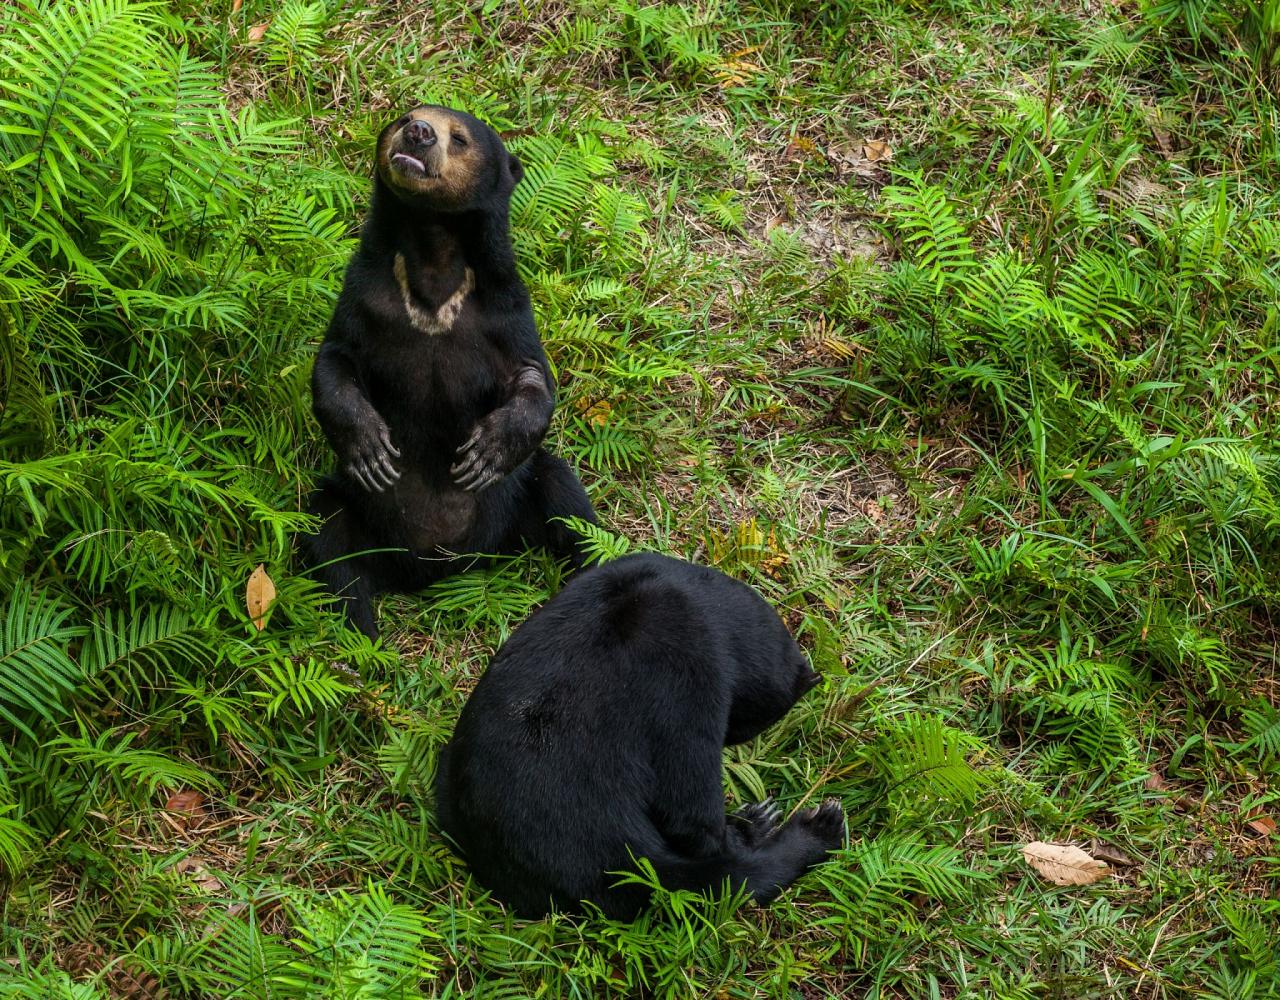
point(431, 384)
point(596, 734)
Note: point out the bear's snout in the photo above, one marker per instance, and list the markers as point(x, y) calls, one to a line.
point(419, 133)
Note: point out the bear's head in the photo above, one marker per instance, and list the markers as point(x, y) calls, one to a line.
point(443, 160)
point(771, 672)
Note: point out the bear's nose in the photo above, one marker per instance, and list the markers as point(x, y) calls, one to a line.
point(420, 133)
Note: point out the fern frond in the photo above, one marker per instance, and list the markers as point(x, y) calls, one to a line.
point(16, 839)
point(131, 770)
point(928, 225)
point(37, 672)
point(556, 185)
point(159, 638)
point(64, 72)
point(922, 758)
point(306, 687)
point(362, 943)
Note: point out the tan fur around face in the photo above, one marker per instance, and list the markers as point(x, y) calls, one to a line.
point(455, 166)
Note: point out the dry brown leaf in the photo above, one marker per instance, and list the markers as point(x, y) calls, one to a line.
point(1112, 855)
point(236, 5)
point(1262, 825)
point(876, 150)
point(1155, 782)
point(256, 32)
point(188, 802)
point(200, 874)
point(186, 810)
point(258, 595)
point(1064, 864)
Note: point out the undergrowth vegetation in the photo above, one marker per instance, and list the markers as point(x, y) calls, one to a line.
point(953, 327)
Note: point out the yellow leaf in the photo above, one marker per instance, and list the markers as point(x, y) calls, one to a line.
point(737, 69)
point(258, 595)
point(598, 413)
point(256, 32)
point(1063, 864)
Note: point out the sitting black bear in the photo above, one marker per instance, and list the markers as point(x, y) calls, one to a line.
point(431, 384)
point(596, 733)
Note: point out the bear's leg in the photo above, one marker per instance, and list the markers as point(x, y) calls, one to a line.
point(330, 555)
point(553, 491)
point(763, 858)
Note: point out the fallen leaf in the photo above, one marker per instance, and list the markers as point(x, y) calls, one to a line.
point(257, 31)
point(737, 69)
point(236, 5)
point(200, 874)
point(801, 148)
point(186, 810)
point(876, 150)
point(1113, 855)
point(1064, 864)
point(185, 802)
point(1260, 824)
point(598, 413)
point(258, 595)
point(1155, 782)
point(773, 565)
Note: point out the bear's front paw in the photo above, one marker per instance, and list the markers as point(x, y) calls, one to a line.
point(758, 822)
point(368, 460)
point(483, 459)
point(826, 824)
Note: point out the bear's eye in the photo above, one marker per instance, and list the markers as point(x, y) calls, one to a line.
point(459, 138)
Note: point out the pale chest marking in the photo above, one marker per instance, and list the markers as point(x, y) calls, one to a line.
point(424, 320)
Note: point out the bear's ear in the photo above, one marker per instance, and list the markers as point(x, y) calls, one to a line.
point(515, 168)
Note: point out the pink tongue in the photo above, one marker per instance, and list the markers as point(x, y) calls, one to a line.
point(409, 159)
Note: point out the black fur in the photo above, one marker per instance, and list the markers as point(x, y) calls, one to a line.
point(437, 433)
point(596, 734)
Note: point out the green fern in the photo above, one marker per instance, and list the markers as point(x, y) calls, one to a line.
point(16, 839)
point(136, 774)
point(70, 69)
point(928, 225)
point(305, 687)
point(363, 943)
point(37, 672)
point(871, 891)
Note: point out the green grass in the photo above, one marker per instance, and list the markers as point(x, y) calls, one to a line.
point(952, 327)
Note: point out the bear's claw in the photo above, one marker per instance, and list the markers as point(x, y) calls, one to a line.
point(758, 821)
